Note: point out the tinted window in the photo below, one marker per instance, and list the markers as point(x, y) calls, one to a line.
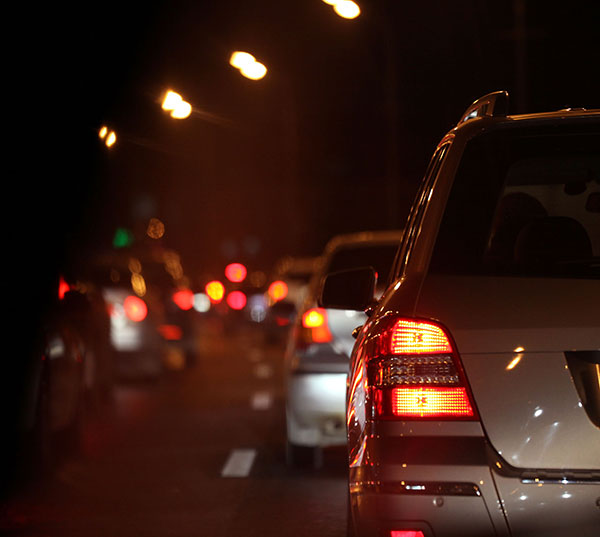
point(525, 203)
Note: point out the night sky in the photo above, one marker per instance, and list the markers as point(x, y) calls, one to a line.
point(333, 140)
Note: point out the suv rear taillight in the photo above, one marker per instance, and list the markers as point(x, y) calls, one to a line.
point(414, 373)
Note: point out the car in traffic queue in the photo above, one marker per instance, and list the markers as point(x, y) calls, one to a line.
point(287, 292)
point(66, 379)
point(473, 400)
point(319, 345)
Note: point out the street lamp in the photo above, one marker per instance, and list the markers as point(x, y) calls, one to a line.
point(109, 136)
point(344, 8)
point(247, 65)
point(174, 103)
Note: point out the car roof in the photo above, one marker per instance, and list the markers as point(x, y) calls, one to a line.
point(491, 111)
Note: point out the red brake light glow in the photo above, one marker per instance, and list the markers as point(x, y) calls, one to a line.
point(415, 373)
point(235, 272)
point(135, 308)
point(184, 298)
point(418, 337)
point(406, 533)
point(236, 300)
point(315, 328)
point(436, 402)
point(170, 332)
point(278, 290)
point(63, 288)
point(313, 318)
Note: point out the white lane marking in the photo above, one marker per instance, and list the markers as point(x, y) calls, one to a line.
point(263, 371)
point(262, 401)
point(239, 463)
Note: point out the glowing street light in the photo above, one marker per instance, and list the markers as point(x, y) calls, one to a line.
point(109, 136)
point(239, 59)
point(247, 65)
point(254, 71)
point(345, 8)
point(174, 103)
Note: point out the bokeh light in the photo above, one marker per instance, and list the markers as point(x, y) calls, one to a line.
point(215, 291)
point(235, 272)
point(236, 300)
point(278, 290)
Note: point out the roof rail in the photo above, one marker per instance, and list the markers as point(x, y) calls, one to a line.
point(491, 105)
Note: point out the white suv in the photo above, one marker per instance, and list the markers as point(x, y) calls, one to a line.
point(318, 350)
point(473, 403)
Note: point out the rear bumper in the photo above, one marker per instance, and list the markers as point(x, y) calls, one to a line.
point(455, 485)
point(441, 484)
point(316, 409)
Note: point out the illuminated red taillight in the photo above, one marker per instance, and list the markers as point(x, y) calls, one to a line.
point(415, 373)
point(236, 300)
point(63, 288)
point(436, 402)
point(184, 299)
point(314, 321)
point(313, 318)
point(135, 308)
point(406, 533)
point(418, 337)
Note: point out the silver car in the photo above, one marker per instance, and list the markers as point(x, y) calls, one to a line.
point(319, 347)
point(473, 403)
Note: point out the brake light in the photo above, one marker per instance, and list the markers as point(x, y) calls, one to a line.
point(415, 373)
point(184, 298)
point(314, 318)
point(63, 288)
point(418, 337)
point(406, 533)
point(315, 328)
point(170, 332)
point(135, 308)
point(437, 402)
point(236, 300)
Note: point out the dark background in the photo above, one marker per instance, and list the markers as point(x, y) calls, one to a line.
point(334, 139)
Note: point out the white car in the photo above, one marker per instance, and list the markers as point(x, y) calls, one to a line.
point(473, 405)
point(319, 346)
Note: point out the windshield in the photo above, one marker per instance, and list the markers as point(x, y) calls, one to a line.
point(525, 203)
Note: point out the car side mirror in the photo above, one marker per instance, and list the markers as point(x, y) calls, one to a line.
point(352, 289)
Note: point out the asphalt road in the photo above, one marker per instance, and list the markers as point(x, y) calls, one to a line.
point(201, 452)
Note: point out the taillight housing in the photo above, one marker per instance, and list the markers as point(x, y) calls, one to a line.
point(414, 373)
point(314, 328)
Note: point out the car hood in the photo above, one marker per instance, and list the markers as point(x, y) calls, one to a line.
point(519, 340)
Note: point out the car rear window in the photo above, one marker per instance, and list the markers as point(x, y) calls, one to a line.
point(378, 256)
point(525, 202)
